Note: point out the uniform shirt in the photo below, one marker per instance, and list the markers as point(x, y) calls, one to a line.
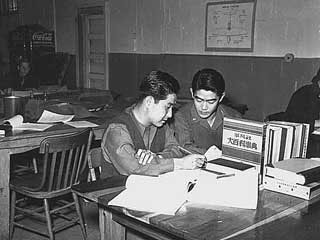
point(118, 148)
point(195, 133)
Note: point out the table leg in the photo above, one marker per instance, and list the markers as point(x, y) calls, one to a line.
point(111, 229)
point(4, 193)
point(101, 223)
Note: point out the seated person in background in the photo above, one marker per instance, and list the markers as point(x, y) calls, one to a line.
point(304, 105)
point(198, 125)
point(24, 78)
point(138, 141)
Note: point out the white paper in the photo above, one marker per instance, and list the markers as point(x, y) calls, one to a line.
point(51, 117)
point(21, 93)
point(239, 190)
point(168, 192)
point(213, 153)
point(164, 194)
point(81, 124)
point(316, 131)
point(17, 124)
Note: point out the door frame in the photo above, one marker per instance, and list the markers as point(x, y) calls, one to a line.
point(82, 13)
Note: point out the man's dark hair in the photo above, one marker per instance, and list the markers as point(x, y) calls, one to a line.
point(159, 85)
point(210, 80)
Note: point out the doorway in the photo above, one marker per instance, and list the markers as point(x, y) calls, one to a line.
point(93, 47)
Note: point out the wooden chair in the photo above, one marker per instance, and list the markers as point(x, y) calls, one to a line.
point(98, 169)
point(64, 164)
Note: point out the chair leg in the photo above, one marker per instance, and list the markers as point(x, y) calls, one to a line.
point(80, 215)
point(35, 166)
point(12, 214)
point(48, 217)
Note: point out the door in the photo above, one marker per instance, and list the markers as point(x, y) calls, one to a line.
point(93, 54)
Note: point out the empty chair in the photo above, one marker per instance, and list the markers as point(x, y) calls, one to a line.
point(64, 164)
point(98, 169)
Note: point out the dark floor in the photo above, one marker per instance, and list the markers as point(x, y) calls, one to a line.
point(92, 220)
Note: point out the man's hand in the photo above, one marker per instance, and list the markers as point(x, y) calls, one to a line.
point(144, 156)
point(191, 161)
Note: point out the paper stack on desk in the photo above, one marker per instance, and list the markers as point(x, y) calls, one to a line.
point(166, 193)
point(17, 124)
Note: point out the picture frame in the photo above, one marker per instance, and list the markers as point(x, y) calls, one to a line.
point(229, 26)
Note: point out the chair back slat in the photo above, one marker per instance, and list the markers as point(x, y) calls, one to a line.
point(65, 158)
point(68, 168)
point(75, 165)
point(51, 174)
point(81, 162)
point(61, 169)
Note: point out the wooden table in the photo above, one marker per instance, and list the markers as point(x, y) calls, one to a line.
point(277, 215)
point(18, 143)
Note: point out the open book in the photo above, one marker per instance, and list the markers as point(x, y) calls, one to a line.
point(51, 117)
point(166, 193)
point(17, 124)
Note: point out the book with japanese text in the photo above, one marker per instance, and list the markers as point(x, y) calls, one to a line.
point(243, 140)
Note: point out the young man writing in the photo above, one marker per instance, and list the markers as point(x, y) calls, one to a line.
point(198, 125)
point(139, 141)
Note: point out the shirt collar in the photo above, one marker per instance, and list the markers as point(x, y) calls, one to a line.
point(217, 122)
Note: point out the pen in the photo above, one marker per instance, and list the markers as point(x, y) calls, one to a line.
point(185, 150)
point(225, 175)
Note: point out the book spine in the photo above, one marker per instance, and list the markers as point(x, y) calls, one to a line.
point(305, 138)
point(264, 143)
point(285, 175)
point(311, 175)
point(283, 140)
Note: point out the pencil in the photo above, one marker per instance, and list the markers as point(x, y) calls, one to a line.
point(225, 175)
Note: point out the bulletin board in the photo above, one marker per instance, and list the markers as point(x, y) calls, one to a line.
point(230, 26)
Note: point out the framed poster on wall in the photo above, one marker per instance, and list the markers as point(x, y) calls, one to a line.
point(230, 26)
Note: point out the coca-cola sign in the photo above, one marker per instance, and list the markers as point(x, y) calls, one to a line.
point(42, 38)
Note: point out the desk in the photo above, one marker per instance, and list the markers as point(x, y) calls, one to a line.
point(18, 144)
point(276, 216)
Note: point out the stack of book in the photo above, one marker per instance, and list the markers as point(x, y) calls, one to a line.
point(299, 177)
point(248, 143)
point(285, 140)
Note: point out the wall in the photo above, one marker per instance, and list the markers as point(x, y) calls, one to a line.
point(169, 35)
point(66, 22)
point(31, 12)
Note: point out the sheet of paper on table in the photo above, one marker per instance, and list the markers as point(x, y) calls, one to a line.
point(81, 124)
point(51, 117)
point(316, 131)
point(166, 193)
point(17, 124)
